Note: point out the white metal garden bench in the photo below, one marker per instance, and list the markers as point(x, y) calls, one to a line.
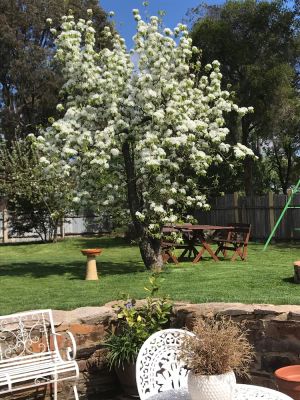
point(30, 355)
point(158, 368)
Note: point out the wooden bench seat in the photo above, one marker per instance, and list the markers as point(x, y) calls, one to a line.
point(236, 240)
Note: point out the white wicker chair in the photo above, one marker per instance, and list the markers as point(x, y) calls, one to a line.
point(158, 368)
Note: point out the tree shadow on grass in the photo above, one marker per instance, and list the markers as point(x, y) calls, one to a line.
point(80, 241)
point(290, 280)
point(74, 270)
point(286, 245)
point(103, 241)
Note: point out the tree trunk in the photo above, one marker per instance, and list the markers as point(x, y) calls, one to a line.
point(54, 238)
point(289, 154)
point(5, 225)
point(279, 167)
point(150, 249)
point(62, 229)
point(248, 176)
point(248, 162)
point(54, 229)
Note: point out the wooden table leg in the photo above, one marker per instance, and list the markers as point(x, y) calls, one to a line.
point(199, 255)
point(190, 249)
point(183, 253)
point(205, 247)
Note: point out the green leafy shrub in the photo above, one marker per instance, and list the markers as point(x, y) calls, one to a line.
point(136, 324)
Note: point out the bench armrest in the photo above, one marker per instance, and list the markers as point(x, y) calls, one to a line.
point(70, 351)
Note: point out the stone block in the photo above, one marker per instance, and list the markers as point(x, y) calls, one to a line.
point(271, 362)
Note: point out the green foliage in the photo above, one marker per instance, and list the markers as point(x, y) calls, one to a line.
point(257, 44)
point(29, 81)
point(283, 145)
point(136, 324)
point(37, 201)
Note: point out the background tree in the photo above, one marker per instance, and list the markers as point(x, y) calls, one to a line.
point(37, 199)
point(283, 143)
point(29, 82)
point(257, 44)
point(150, 133)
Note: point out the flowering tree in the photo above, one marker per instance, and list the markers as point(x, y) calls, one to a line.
point(147, 131)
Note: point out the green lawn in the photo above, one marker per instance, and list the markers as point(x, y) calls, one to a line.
point(52, 276)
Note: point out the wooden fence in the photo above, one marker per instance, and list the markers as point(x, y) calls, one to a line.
point(72, 226)
point(261, 212)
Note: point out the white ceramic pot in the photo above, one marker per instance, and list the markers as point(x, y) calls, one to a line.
point(211, 387)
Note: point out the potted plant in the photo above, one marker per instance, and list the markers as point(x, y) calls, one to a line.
point(135, 324)
point(288, 380)
point(217, 351)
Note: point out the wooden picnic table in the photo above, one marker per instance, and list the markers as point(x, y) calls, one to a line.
point(198, 238)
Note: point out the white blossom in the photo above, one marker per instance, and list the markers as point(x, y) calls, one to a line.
point(140, 216)
point(171, 201)
point(148, 110)
point(242, 151)
point(115, 152)
point(43, 160)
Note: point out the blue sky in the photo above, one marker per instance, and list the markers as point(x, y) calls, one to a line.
point(125, 24)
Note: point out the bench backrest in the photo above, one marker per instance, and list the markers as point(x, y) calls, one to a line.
point(25, 333)
point(240, 231)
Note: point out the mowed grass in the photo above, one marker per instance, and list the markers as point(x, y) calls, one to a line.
point(35, 276)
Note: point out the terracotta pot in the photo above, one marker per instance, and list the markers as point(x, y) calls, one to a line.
point(127, 379)
point(288, 380)
point(211, 387)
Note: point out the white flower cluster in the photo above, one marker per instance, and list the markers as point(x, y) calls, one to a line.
point(171, 124)
point(242, 151)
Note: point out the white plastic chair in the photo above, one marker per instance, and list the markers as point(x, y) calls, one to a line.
point(158, 368)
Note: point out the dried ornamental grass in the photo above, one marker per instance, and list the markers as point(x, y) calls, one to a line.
point(218, 346)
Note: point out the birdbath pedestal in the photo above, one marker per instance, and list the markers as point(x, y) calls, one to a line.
point(91, 266)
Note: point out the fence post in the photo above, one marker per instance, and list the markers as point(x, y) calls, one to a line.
point(271, 210)
point(236, 206)
point(289, 193)
point(5, 225)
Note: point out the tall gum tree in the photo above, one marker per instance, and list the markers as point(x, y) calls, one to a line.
point(147, 131)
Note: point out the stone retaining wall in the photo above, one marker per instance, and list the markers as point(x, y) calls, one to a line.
point(273, 330)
